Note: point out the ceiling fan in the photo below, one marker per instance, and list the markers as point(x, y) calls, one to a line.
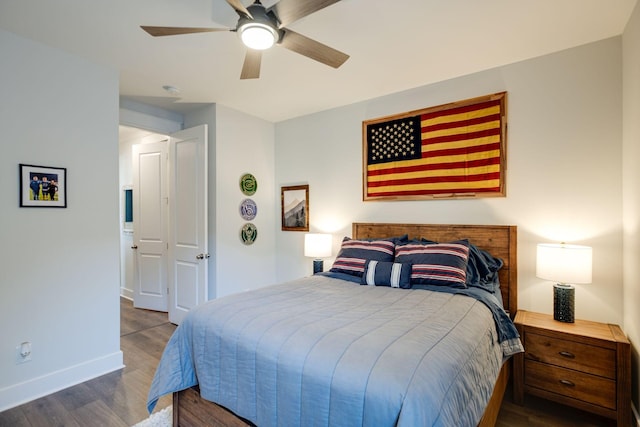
point(260, 28)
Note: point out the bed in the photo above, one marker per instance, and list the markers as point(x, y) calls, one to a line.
point(339, 353)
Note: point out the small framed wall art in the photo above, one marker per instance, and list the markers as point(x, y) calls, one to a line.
point(295, 208)
point(43, 186)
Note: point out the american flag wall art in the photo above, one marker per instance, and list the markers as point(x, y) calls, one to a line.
point(450, 151)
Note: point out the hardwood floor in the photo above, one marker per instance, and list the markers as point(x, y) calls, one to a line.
point(119, 398)
point(539, 412)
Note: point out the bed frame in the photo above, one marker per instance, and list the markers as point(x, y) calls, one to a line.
point(190, 410)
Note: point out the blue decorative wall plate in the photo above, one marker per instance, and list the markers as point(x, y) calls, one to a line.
point(248, 209)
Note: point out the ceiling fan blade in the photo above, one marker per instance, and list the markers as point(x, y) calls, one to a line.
point(251, 66)
point(312, 49)
point(239, 8)
point(289, 11)
point(175, 31)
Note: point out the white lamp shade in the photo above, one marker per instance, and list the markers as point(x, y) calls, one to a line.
point(564, 263)
point(317, 245)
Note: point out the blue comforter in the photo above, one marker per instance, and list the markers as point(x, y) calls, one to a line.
point(322, 351)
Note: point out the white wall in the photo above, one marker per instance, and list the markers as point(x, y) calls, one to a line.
point(244, 144)
point(238, 144)
point(60, 267)
point(631, 192)
point(564, 161)
point(143, 116)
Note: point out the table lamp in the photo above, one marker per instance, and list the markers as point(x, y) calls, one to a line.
point(566, 265)
point(317, 245)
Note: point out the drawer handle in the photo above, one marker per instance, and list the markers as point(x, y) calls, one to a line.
point(567, 354)
point(567, 383)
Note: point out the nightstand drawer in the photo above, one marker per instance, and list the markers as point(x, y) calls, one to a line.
point(570, 354)
point(577, 385)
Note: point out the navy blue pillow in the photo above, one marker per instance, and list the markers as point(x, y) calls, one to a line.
point(382, 273)
point(354, 254)
point(482, 270)
point(442, 264)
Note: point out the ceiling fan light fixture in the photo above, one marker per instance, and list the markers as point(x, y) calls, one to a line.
point(259, 36)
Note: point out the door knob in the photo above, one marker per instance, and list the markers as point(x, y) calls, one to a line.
point(202, 256)
point(134, 247)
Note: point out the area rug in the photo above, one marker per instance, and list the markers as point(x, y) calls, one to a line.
point(163, 418)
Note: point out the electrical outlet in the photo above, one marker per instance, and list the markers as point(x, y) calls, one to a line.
point(23, 352)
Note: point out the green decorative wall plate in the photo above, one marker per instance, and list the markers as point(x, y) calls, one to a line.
point(248, 233)
point(248, 184)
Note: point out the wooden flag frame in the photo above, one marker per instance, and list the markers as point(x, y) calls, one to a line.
point(462, 147)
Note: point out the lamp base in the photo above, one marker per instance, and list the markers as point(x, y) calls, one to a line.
point(563, 302)
point(318, 266)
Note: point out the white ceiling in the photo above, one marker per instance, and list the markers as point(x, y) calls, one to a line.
point(394, 45)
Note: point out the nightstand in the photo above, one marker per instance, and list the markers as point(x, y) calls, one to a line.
point(584, 364)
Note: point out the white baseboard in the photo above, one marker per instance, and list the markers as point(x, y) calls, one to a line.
point(35, 388)
point(126, 293)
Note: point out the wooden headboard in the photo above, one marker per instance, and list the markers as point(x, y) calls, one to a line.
point(499, 240)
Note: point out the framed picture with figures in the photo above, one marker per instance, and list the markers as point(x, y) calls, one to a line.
point(43, 186)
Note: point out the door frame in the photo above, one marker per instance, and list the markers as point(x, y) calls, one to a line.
point(125, 237)
point(202, 294)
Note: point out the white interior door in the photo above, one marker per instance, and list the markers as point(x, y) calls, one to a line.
point(188, 249)
point(150, 210)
